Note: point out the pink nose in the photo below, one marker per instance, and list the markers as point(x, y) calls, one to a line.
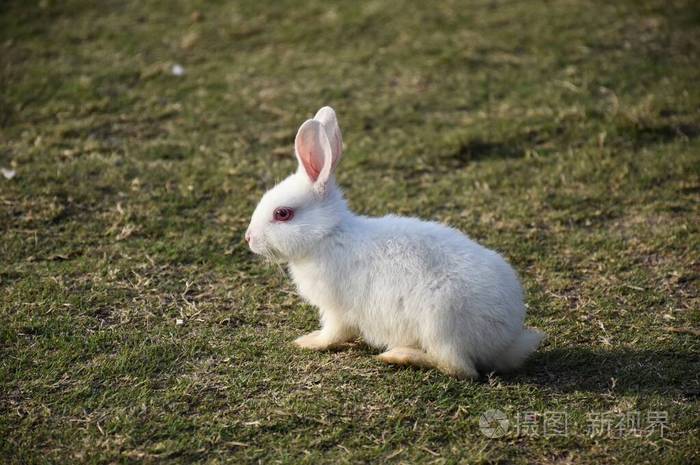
point(247, 236)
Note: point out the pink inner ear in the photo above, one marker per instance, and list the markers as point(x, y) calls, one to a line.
point(312, 165)
point(311, 146)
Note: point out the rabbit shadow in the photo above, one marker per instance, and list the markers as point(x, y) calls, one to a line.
point(604, 371)
point(629, 371)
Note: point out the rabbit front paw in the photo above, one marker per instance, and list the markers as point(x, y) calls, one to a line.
point(320, 340)
point(315, 340)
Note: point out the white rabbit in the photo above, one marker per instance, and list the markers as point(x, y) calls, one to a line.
point(424, 292)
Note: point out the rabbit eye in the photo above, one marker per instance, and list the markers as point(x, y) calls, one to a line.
point(283, 214)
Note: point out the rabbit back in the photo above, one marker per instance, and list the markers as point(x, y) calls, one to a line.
point(405, 282)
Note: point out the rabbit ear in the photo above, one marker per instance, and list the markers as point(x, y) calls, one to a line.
point(327, 117)
point(314, 152)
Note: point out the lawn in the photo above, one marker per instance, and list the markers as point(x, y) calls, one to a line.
point(136, 326)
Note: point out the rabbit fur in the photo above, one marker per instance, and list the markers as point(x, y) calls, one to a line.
point(424, 292)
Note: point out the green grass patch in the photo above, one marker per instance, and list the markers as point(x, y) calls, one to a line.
point(135, 326)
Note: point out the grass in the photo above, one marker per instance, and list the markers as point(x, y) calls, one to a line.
point(135, 326)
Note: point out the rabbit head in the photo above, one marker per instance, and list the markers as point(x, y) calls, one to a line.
point(293, 216)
